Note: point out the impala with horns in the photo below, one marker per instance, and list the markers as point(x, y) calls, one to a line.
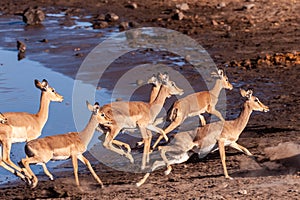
point(119, 115)
point(209, 138)
point(23, 126)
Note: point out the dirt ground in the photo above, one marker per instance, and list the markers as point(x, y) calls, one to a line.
point(259, 41)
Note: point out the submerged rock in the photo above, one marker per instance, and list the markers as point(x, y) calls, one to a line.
point(21, 46)
point(33, 16)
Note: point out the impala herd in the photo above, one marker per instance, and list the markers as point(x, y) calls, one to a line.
point(115, 117)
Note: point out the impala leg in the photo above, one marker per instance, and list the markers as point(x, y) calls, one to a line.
point(178, 120)
point(46, 171)
point(6, 147)
point(13, 171)
point(119, 143)
point(223, 157)
point(28, 172)
point(75, 168)
point(217, 113)
point(163, 150)
point(108, 143)
point(142, 181)
point(147, 140)
point(202, 120)
point(88, 164)
point(241, 148)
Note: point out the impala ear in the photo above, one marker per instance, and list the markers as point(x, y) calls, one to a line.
point(247, 94)
point(90, 106)
point(221, 72)
point(164, 77)
point(41, 85)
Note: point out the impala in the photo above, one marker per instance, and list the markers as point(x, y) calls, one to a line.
point(60, 147)
point(196, 104)
point(22, 126)
point(119, 115)
point(211, 137)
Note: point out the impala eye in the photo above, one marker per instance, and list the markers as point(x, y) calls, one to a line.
point(53, 90)
point(256, 100)
point(102, 115)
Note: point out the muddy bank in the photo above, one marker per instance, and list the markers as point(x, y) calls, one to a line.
point(234, 33)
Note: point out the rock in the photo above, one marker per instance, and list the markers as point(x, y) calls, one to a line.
point(44, 40)
point(248, 6)
point(214, 22)
point(123, 26)
point(33, 16)
point(244, 192)
point(132, 5)
point(100, 25)
point(221, 5)
point(21, 46)
point(183, 6)
point(178, 16)
point(111, 17)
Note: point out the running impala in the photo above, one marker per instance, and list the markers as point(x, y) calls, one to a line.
point(209, 138)
point(119, 115)
point(196, 104)
point(61, 147)
point(23, 126)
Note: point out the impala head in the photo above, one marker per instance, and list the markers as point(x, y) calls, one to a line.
point(3, 119)
point(253, 101)
point(47, 90)
point(153, 80)
point(170, 85)
point(93, 108)
point(105, 117)
point(225, 82)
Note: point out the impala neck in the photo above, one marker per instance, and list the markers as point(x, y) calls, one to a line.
point(87, 133)
point(158, 103)
point(215, 91)
point(42, 114)
point(154, 93)
point(243, 119)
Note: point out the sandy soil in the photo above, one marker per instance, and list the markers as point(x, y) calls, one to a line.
point(259, 43)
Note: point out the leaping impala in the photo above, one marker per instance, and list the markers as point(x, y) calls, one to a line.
point(61, 147)
point(23, 126)
point(196, 104)
point(211, 137)
point(119, 115)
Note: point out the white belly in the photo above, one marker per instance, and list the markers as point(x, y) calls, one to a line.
point(19, 134)
point(60, 157)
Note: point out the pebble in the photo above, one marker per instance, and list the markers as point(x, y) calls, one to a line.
point(178, 16)
point(132, 5)
point(221, 5)
point(243, 192)
point(123, 26)
point(248, 6)
point(183, 6)
point(111, 17)
point(21, 46)
point(44, 40)
point(100, 24)
point(214, 22)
